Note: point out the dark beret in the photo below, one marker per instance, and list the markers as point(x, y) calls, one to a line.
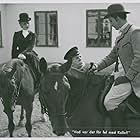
point(71, 53)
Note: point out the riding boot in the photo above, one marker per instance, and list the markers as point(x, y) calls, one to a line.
point(118, 119)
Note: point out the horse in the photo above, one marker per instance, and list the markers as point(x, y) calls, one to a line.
point(89, 116)
point(81, 113)
point(17, 87)
point(54, 91)
point(55, 95)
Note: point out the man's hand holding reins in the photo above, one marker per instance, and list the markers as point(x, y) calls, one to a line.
point(93, 68)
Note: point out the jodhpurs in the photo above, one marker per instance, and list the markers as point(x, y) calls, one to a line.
point(117, 95)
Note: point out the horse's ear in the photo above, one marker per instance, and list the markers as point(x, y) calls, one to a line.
point(43, 65)
point(66, 66)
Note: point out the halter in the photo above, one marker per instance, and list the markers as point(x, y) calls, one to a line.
point(16, 88)
point(57, 114)
point(52, 76)
point(47, 112)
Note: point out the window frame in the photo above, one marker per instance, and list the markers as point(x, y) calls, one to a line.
point(46, 12)
point(1, 43)
point(87, 45)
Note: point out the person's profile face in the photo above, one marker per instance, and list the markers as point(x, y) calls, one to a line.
point(24, 25)
point(77, 58)
point(114, 22)
point(77, 61)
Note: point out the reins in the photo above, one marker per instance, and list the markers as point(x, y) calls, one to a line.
point(16, 88)
point(58, 115)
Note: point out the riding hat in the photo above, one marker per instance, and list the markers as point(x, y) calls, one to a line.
point(115, 9)
point(23, 17)
point(71, 53)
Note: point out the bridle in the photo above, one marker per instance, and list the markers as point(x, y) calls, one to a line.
point(58, 115)
point(52, 77)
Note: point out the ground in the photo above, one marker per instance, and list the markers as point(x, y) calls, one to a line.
point(42, 129)
point(39, 128)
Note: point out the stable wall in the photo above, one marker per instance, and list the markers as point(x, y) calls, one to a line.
point(71, 28)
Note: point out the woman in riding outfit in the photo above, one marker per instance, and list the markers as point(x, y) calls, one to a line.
point(23, 44)
point(127, 50)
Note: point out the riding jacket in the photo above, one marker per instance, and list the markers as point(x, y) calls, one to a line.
point(25, 46)
point(127, 48)
point(22, 44)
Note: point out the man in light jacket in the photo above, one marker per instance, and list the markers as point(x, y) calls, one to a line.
point(127, 50)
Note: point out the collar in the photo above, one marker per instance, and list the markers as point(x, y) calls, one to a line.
point(121, 29)
point(126, 29)
point(78, 68)
point(25, 32)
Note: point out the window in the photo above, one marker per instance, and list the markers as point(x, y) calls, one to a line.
point(99, 31)
point(46, 28)
point(0, 32)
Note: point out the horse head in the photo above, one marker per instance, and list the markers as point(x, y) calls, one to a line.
point(54, 90)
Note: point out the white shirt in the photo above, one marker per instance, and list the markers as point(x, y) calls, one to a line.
point(121, 71)
point(123, 27)
point(25, 33)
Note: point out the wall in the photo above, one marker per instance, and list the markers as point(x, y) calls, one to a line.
point(71, 28)
point(5, 49)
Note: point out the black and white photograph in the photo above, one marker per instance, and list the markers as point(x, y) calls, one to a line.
point(69, 69)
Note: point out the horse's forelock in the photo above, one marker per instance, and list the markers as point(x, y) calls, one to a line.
point(55, 67)
point(53, 81)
